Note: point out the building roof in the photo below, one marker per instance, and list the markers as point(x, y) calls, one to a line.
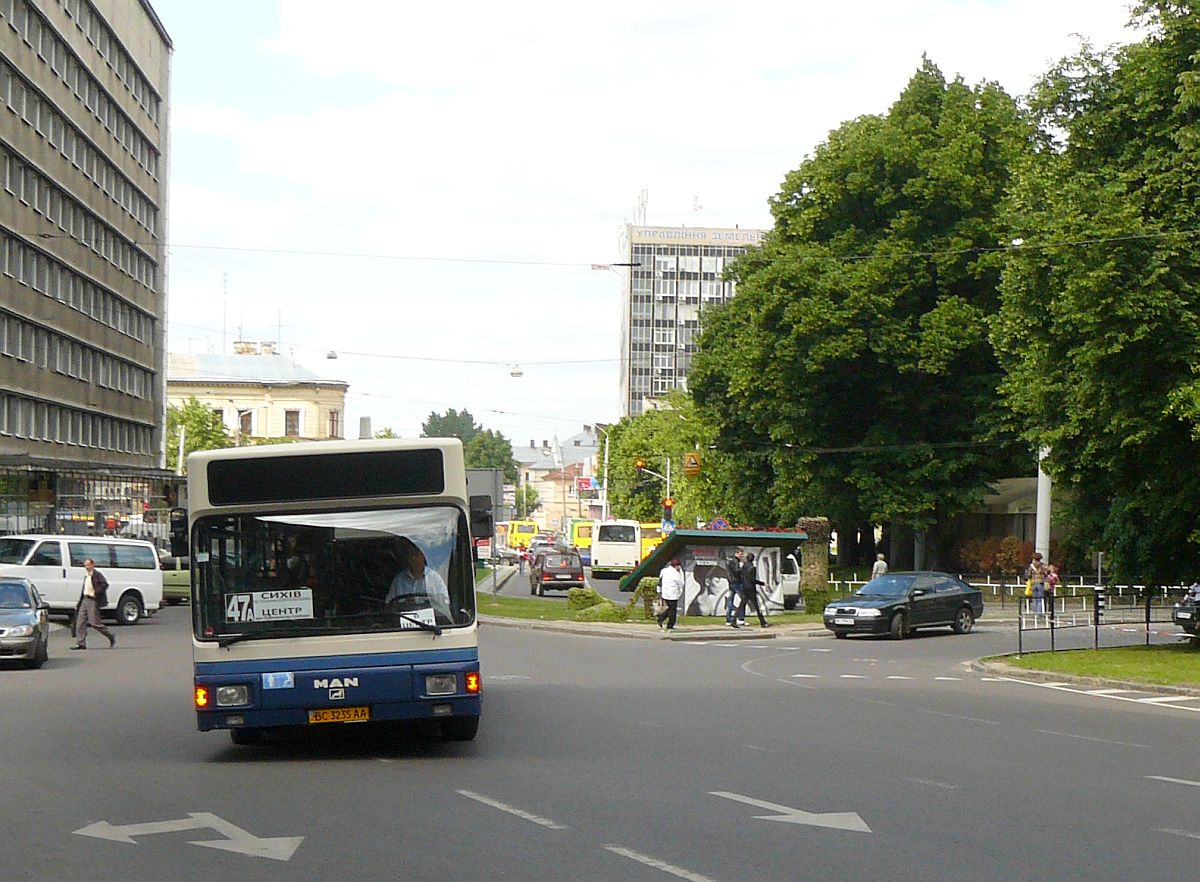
point(257, 369)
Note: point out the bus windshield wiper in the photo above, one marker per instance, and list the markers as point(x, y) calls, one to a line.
point(424, 626)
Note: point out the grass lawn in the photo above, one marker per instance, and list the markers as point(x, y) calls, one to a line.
point(1157, 665)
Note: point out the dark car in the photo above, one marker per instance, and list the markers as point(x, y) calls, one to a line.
point(1184, 614)
point(555, 570)
point(24, 623)
point(900, 603)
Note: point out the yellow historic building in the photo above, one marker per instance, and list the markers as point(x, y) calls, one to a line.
point(259, 393)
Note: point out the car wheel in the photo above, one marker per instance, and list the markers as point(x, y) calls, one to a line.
point(964, 621)
point(840, 635)
point(39, 655)
point(246, 737)
point(899, 626)
point(460, 728)
point(789, 602)
point(129, 609)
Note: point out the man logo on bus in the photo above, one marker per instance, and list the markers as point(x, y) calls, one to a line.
point(336, 681)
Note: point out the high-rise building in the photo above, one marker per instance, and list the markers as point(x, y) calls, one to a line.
point(676, 274)
point(83, 219)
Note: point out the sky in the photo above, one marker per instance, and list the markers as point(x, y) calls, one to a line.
point(422, 189)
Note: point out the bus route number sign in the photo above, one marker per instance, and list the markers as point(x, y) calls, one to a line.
point(269, 606)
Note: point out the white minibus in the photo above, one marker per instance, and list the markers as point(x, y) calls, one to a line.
point(616, 548)
point(55, 565)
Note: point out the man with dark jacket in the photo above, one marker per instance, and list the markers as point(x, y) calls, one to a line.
point(735, 587)
point(750, 583)
point(93, 598)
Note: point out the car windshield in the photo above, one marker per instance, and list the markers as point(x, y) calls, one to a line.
point(894, 585)
point(14, 595)
point(332, 572)
point(14, 550)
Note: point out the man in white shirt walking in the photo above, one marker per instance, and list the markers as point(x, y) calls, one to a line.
point(880, 566)
point(670, 589)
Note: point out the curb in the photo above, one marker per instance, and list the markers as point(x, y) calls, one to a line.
point(648, 632)
point(1000, 667)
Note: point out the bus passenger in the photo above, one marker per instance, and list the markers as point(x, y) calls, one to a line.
point(415, 579)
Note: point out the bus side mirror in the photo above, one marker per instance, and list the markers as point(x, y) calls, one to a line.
point(481, 517)
point(179, 532)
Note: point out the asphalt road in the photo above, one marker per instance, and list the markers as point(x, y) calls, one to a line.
point(603, 758)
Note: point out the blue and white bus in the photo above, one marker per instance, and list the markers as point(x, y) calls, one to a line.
point(333, 582)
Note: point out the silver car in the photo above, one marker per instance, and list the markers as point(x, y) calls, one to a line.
point(24, 623)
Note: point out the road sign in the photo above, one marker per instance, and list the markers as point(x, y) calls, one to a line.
point(277, 848)
point(691, 464)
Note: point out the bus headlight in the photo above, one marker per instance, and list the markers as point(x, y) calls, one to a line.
point(228, 696)
point(441, 684)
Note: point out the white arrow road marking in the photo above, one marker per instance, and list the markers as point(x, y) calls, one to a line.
point(1175, 832)
point(1173, 780)
point(278, 848)
point(654, 862)
point(512, 810)
point(835, 820)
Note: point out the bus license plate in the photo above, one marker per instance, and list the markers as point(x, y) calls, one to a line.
point(340, 715)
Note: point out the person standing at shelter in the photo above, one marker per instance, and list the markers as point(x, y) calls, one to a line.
point(92, 599)
point(750, 583)
point(879, 568)
point(1035, 577)
point(1051, 588)
point(670, 589)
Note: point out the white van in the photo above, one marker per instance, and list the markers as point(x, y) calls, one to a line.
point(616, 548)
point(55, 565)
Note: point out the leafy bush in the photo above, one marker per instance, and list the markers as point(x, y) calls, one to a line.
point(583, 598)
point(606, 611)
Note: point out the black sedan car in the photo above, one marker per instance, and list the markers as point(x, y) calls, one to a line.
point(24, 623)
point(1184, 614)
point(556, 570)
point(900, 603)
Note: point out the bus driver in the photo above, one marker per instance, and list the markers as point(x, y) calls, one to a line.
point(415, 579)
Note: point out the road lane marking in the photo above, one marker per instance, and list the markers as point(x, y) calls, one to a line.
point(1090, 738)
point(1063, 687)
point(1173, 780)
point(995, 680)
point(897, 677)
point(820, 650)
point(943, 785)
point(959, 717)
point(808, 676)
point(953, 679)
point(1175, 832)
point(1163, 699)
point(853, 677)
point(651, 861)
point(1109, 691)
point(512, 810)
point(834, 820)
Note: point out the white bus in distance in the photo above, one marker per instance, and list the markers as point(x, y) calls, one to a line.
point(616, 548)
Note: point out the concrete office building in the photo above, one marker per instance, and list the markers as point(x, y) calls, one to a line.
point(677, 276)
point(83, 219)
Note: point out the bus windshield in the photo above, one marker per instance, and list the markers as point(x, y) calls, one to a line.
point(332, 572)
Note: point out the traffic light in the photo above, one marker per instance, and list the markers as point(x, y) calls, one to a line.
point(639, 464)
point(669, 509)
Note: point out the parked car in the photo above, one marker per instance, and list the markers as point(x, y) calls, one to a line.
point(24, 623)
point(900, 603)
point(555, 570)
point(177, 579)
point(1184, 614)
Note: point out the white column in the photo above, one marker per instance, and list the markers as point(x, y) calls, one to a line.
point(1042, 523)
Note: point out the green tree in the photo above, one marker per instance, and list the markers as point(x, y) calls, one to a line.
point(201, 427)
point(852, 375)
point(1101, 306)
point(386, 432)
point(527, 501)
point(451, 424)
point(491, 450)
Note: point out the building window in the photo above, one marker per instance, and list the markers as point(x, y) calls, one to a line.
point(335, 424)
point(291, 423)
point(246, 422)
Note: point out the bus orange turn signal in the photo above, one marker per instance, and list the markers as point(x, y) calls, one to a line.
point(473, 682)
point(201, 697)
